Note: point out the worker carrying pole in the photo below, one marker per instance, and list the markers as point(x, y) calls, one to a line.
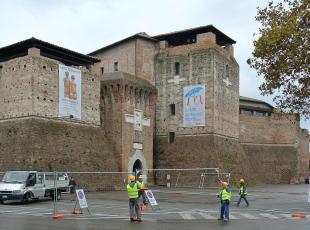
point(243, 192)
point(225, 196)
point(134, 210)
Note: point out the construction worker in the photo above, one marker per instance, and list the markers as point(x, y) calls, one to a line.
point(141, 190)
point(225, 196)
point(134, 210)
point(243, 192)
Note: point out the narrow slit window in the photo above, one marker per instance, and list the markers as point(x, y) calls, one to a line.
point(171, 137)
point(115, 66)
point(102, 70)
point(177, 68)
point(172, 109)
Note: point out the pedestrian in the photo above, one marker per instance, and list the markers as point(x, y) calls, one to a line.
point(243, 192)
point(134, 210)
point(141, 193)
point(225, 197)
point(72, 185)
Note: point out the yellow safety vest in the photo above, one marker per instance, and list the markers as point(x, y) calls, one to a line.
point(132, 191)
point(141, 184)
point(225, 195)
point(242, 190)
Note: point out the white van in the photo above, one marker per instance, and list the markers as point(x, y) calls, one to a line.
point(27, 185)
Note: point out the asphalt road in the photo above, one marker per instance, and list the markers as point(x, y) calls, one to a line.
point(271, 207)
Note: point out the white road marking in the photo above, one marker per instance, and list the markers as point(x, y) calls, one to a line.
point(286, 215)
point(207, 216)
point(249, 216)
point(187, 216)
point(270, 216)
point(232, 217)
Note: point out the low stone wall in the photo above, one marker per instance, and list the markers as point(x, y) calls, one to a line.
point(53, 145)
point(208, 151)
point(272, 164)
point(258, 164)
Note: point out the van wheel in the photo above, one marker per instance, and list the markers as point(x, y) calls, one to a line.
point(1, 202)
point(26, 198)
point(58, 196)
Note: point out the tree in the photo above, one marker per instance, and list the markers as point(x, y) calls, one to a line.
point(282, 54)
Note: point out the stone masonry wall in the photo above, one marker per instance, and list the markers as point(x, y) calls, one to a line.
point(145, 54)
point(124, 54)
point(16, 88)
point(277, 148)
point(201, 63)
point(122, 93)
point(29, 86)
point(274, 129)
point(46, 145)
point(203, 151)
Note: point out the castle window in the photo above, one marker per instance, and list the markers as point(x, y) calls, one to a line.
point(102, 70)
point(115, 66)
point(226, 71)
point(177, 68)
point(247, 112)
point(172, 109)
point(171, 137)
point(260, 114)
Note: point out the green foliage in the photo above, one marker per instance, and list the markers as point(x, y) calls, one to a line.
point(282, 54)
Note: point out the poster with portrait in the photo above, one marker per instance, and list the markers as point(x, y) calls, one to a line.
point(69, 92)
point(194, 106)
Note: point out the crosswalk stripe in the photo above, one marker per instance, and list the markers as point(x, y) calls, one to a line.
point(187, 216)
point(286, 215)
point(270, 216)
point(233, 217)
point(207, 216)
point(249, 216)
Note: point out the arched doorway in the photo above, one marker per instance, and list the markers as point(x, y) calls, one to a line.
point(137, 166)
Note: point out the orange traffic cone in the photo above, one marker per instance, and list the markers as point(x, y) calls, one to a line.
point(77, 212)
point(144, 208)
point(58, 216)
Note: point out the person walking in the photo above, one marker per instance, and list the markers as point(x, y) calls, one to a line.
point(243, 192)
point(225, 196)
point(134, 210)
point(141, 193)
point(72, 185)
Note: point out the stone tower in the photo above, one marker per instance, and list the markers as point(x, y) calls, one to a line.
point(128, 98)
point(197, 111)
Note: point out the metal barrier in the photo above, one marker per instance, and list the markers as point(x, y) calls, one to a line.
point(185, 178)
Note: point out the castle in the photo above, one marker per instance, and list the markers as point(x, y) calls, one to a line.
point(165, 101)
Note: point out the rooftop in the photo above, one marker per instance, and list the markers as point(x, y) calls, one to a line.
point(189, 36)
point(66, 56)
point(253, 104)
point(141, 35)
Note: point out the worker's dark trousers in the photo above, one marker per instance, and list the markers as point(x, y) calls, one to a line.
point(142, 194)
point(245, 199)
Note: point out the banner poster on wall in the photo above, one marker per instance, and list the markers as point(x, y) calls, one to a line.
point(69, 92)
point(194, 106)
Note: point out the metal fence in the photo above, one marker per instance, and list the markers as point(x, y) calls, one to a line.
point(184, 178)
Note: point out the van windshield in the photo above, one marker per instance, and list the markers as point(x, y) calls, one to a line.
point(15, 177)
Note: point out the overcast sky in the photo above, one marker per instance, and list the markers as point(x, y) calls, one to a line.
point(87, 25)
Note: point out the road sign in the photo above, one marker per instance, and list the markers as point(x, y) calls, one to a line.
point(81, 198)
point(150, 196)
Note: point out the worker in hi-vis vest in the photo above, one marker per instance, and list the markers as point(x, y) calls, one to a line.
point(225, 197)
point(141, 190)
point(243, 192)
point(134, 210)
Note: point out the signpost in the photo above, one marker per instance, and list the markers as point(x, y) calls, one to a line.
point(81, 199)
point(151, 199)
